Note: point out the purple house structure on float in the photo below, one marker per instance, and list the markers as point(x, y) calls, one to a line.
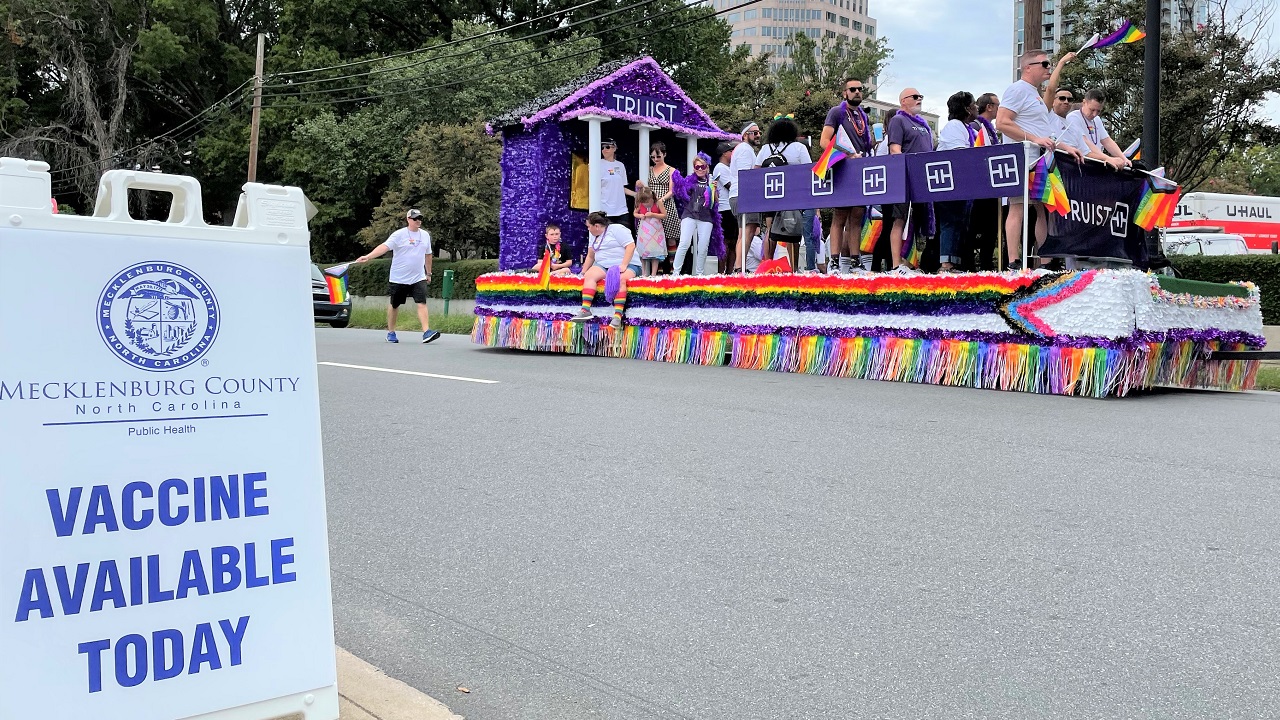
point(632, 101)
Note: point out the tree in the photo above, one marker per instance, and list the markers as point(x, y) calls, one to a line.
point(809, 81)
point(453, 177)
point(1215, 76)
point(746, 90)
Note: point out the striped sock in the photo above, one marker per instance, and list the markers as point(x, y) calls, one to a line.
point(619, 301)
point(587, 297)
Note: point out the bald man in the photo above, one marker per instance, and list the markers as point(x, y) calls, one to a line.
point(908, 133)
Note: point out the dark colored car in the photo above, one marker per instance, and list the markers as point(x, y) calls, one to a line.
point(337, 315)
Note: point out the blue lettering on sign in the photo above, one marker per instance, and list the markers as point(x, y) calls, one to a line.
point(211, 499)
point(647, 106)
point(134, 658)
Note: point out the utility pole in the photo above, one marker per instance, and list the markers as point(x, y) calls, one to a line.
point(257, 109)
point(1151, 87)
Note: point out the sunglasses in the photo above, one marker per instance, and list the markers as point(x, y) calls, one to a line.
point(608, 147)
point(1065, 98)
point(854, 89)
point(1043, 63)
point(917, 97)
point(699, 166)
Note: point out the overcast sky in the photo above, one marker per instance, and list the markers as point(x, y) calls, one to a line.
point(943, 46)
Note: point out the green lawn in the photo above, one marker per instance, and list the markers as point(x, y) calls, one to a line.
point(376, 318)
point(1269, 378)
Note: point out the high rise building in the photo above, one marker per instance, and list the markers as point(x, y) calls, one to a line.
point(1040, 24)
point(765, 27)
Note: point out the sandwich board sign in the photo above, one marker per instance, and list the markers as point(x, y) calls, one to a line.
point(163, 549)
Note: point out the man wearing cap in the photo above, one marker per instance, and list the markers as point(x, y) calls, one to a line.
point(743, 158)
point(613, 185)
point(410, 272)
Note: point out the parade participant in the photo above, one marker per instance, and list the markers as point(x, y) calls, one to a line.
point(743, 158)
point(847, 221)
point(908, 133)
point(781, 148)
point(696, 220)
point(1061, 107)
point(1024, 116)
point(560, 260)
point(1086, 132)
point(651, 239)
point(725, 182)
point(410, 272)
point(660, 182)
point(609, 245)
point(953, 215)
point(985, 213)
point(613, 184)
point(1052, 97)
point(988, 106)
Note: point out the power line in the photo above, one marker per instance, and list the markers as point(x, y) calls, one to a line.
point(437, 46)
point(462, 53)
point(417, 89)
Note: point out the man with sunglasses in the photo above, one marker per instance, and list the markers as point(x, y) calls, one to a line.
point(1024, 115)
point(846, 225)
point(742, 158)
point(908, 133)
point(1061, 107)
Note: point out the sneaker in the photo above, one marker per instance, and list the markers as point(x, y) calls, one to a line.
point(904, 269)
point(430, 335)
point(391, 338)
point(616, 323)
point(581, 316)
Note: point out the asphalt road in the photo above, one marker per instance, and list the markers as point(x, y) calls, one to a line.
point(598, 538)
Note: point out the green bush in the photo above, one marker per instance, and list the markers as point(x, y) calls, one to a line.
point(371, 278)
point(1261, 270)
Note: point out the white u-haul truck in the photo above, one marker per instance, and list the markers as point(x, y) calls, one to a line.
point(1255, 218)
point(163, 548)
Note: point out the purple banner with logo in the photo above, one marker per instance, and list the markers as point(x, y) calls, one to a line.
point(1100, 225)
point(855, 181)
point(968, 174)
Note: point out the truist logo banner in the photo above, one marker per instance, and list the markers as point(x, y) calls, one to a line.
point(647, 106)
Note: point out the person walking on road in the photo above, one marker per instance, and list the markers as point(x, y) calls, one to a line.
point(410, 272)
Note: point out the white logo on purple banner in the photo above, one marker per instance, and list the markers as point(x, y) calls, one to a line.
point(1004, 170)
point(938, 176)
point(1120, 220)
point(775, 185)
point(875, 180)
point(824, 185)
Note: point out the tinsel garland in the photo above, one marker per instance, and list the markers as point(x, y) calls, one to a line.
point(1085, 371)
point(1159, 294)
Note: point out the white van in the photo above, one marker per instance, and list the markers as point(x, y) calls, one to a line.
point(1202, 241)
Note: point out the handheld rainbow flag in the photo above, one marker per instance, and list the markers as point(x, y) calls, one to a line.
point(1126, 33)
point(872, 226)
point(914, 251)
point(1046, 185)
point(1089, 43)
point(544, 270)
point(336, 278)
point(838, 149)
point(1158, 203)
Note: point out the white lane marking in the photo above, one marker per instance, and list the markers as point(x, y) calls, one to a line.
point(409, 372)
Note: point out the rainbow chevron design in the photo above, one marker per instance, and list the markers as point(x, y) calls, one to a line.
point(1046, 185)
point(872, 226)
point(1020, 308)
point(838, 149)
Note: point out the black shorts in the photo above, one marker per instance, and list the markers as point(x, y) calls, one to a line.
point(898, 211)
point(400, 291)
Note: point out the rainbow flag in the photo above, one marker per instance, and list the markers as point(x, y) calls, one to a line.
point(872, 226)
point(336, 278)
point(981, 139)
point(838, 149)
point(544, 270)
point(1159, 200)
point(1046, 185)
point(1126, 33)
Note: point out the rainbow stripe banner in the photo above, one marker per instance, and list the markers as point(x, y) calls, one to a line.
point(872, 226)
point(1159, 201)
point(544, 269)
point(838, 149)
point(1046, 185)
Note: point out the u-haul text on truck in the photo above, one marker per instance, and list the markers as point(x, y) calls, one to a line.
point(163, 549)
point(1253, 217)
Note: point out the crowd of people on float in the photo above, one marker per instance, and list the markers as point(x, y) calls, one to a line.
point(957, 236)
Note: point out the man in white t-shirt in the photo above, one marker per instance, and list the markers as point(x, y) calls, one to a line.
point(613, 184)
point(742, 158)
point(410, 272)
point(1086, 133)
point(1024, 115)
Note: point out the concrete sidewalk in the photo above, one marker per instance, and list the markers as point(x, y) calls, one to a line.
point(366, 693)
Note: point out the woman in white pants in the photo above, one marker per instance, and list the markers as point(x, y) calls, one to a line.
point(699, 213)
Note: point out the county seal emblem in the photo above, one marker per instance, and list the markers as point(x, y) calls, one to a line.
point(158, 316)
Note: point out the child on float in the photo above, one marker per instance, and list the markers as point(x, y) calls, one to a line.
point(610, 247)
point(561, 263)
point(698, 217)
point(651, 239)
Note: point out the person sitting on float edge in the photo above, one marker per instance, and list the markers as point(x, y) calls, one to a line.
point(609, 246)
point(560, 260)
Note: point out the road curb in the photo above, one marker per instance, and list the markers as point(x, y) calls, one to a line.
point(366, 693)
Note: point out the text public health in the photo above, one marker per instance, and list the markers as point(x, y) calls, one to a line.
point(92, 587)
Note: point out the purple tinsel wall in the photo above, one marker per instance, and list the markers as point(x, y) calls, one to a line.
point(535, 190)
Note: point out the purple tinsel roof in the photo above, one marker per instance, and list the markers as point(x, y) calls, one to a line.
point(585, 93)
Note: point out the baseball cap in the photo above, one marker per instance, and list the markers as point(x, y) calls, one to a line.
point(414, 214)
point(606, 142)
